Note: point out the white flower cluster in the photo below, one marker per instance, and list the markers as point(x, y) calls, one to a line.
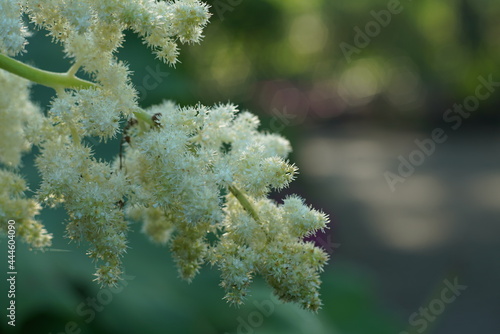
point(193, 169)
point(91, 32)
point(14, 205)
point(99, 24)
point(16, 111)
point(198, 178)
point(12, 29)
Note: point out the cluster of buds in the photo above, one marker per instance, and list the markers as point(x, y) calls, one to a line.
point(198, 178)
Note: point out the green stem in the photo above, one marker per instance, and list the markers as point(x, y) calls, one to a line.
point(54, 80)
point(244, 203)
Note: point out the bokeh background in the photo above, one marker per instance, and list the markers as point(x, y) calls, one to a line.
point(351, 117)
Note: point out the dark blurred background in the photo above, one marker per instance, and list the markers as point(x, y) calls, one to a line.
point(355, 86)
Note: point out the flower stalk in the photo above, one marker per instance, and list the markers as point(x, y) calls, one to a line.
point(54, 80)
point(244, 202)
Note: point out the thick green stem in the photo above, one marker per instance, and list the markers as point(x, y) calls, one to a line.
point(54, 80)
point(244, 203)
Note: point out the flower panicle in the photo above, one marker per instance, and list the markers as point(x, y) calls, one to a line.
point(198, 177)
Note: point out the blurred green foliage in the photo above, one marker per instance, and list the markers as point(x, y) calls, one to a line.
point(427, 57)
